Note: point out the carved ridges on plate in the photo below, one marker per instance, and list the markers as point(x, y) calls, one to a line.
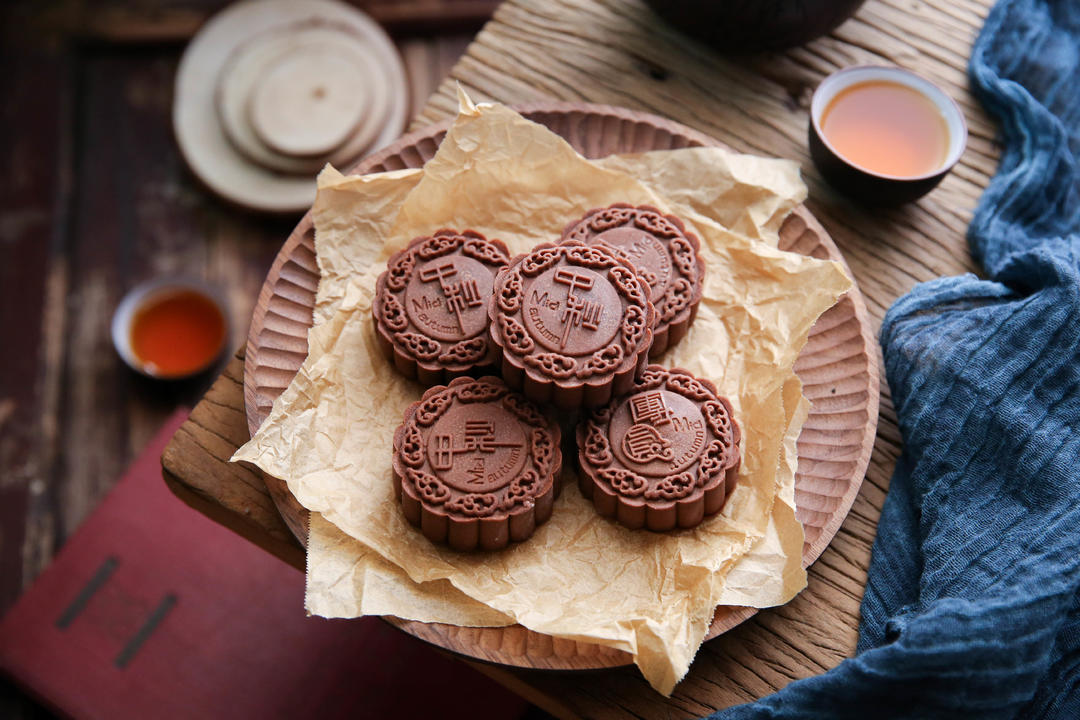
point(283, 341)
point(275, 359)
point(823, 337)
point(851, 420)
point(514, 644)
point(298, 311)
point(303, 255)
point(825, 496)
point(842, 312)
point(296, 329)
point(298, 281)
point(826, 383)
point(838, 353)
point(594, 131)
point(821, 367)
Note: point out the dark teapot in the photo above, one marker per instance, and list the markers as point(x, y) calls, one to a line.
point(753, 25)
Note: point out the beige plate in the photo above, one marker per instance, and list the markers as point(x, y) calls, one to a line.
point(838, 367)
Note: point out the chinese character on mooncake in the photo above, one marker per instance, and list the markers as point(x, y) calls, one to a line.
point(574, 324)
point(430, 307)
point(663, 253)
point(663, 456)
point(476, 465)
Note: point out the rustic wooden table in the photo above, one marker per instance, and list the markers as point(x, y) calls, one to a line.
point(618, 53)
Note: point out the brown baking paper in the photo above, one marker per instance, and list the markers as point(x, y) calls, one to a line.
point(580, 577)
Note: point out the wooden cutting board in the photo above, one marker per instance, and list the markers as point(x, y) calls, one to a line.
point(838, 368)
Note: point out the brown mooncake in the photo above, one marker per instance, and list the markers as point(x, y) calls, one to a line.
point(573, 322)
point(665, 455)
point(662, 251)
point(476, 465)
point(430, 306)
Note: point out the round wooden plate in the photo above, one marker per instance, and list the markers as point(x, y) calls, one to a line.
point(838, 368)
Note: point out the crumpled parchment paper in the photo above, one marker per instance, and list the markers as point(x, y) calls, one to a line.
point(581, 577)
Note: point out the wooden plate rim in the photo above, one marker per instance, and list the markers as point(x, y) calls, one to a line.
point(296, 516)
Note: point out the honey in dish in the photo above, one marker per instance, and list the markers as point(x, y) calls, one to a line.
point(887, 128)
point(177, 334)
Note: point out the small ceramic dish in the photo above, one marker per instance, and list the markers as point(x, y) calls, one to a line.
point(870, 186)
point(183, 322)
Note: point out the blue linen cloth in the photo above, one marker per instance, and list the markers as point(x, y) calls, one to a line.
point(972, 607)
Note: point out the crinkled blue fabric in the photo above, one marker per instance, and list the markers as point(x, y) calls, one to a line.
point(972, 607)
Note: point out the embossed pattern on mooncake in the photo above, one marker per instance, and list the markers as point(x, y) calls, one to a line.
point(430, 307)
point(574, 323)
point(664, 254)
point(476, 465)
point(663, 456)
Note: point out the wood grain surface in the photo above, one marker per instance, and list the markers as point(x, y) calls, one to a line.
point(619, 53)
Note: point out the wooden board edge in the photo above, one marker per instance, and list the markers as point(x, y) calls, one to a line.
point(289, 552)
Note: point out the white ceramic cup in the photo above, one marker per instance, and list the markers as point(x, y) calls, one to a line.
point(868, 185)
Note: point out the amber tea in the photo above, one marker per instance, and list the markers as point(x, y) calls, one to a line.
point(887, 128)
point(177, 334)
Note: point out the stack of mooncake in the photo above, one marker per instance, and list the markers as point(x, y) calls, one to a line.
point(569, 326)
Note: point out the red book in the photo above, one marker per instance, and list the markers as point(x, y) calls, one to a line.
point(151, 610)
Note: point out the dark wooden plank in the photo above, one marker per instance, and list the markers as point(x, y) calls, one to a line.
point(71, 415)
point(32, 81)
point(33, 88)
point(124, 22)
point(137, 215)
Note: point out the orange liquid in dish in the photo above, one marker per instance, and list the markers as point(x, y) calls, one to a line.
point(177, 334)
point(887, 128)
